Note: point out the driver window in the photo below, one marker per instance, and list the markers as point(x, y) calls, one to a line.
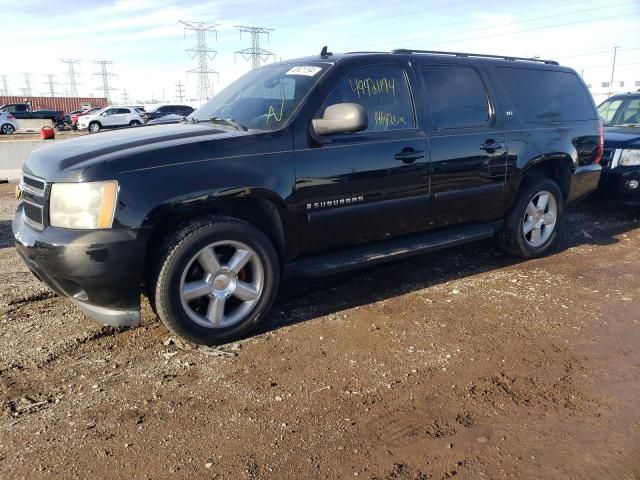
point(382, 90)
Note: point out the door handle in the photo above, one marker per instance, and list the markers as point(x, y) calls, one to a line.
point(491, 146)
point(409, 155)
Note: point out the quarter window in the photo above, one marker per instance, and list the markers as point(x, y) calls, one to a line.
point(456, 96)
point(382, 90)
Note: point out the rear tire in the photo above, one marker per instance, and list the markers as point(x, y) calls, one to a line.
point(215, 280)
point(532, 224)
point(134, 123)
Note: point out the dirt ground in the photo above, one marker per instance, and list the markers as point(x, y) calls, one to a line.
point(464, 363)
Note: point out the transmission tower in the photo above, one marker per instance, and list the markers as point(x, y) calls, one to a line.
point(50, 84)
point(125, 96)
point(72, 74)
point(5, 86)
point(203, 53)
point(255, 53)
point(179, 91)
point(104, 74)
point(27, 85)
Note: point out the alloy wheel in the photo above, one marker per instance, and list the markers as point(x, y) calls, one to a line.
point(540, 219)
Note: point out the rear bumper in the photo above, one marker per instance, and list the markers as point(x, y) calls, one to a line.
point(617, 184)
point(584, 181)
point(100, 271)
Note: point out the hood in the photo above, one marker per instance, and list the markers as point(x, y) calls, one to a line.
point(67, 159)
point(622, 137)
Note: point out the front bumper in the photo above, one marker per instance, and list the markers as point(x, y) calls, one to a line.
point(617, 183)
point(101, 271)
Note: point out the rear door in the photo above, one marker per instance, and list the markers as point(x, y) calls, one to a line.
point(467, 144)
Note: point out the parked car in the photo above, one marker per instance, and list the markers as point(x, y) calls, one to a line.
point(621, 157)
point(162, 110)
point(110, 117)
point(23, 111)
point(8, 124)
point(307, 167)
point(171, 118)
point(76, 116)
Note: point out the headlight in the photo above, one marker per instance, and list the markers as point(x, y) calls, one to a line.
point(83, 205)
point(629, 158)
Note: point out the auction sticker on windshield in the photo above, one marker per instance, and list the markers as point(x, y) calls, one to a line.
point(309, 71)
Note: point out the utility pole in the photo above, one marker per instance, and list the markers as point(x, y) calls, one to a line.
point(179, 94)
point(125, 96)
point(104, 75)
point(72, 75)
point(255, 53)
point(613, 68)
point(27, 84)
point(50, 83)
point(5, 87)
point(203, 53)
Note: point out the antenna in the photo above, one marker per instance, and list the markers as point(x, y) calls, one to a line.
point(72, 75)
point(255, 53)
point(203, 53)
point(50, 83)
point(104, 74)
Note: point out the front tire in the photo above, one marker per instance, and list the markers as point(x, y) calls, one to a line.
point(94, 127)
point(7, 129)
point(216, 278)
point(532, 224)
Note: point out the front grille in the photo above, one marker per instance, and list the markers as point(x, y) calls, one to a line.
point(33, 201)
point(33, 185)
point(607, 156)
point(34, 214)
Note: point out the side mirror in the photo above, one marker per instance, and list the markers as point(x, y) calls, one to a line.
point(103, 114)
point(341, 118)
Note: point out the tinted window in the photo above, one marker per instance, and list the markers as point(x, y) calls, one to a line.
point(111, 111)
point(456, 96)
point(546, 95)
point(123, 111)
point(164, 109)
point(608, 110)
point(631, 113)
point(382, 90)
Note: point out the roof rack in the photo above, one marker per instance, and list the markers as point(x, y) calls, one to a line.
point(476, 55)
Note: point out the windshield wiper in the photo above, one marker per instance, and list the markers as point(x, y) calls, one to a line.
point(229, 121)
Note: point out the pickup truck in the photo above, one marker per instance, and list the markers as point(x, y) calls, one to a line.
point(22, 111)
point(307, 167)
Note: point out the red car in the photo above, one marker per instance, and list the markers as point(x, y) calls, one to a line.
point(76, 116)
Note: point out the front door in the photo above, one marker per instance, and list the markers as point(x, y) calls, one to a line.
point(467, 143)
point(366, 185)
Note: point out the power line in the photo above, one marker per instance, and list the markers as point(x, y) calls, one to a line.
point(50, 83)
point(104, 75)
point(255, 53)
point(5, 85)
point(203, 54)
point(179, 91)
point(72, 75)
point(27, 85)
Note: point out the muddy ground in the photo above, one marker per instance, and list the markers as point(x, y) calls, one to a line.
point(465, 363)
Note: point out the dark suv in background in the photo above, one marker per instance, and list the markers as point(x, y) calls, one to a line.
point(163, 110)
point(621, 157)
point(308, 167)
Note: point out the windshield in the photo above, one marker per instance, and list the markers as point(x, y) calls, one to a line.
point(620, 112)
point(263, 99)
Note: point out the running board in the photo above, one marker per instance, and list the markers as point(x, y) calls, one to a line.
point(380, 252)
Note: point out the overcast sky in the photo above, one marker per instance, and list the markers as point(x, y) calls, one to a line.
point(147, 43)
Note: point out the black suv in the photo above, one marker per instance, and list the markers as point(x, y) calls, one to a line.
point(307, 167)
point(163, 110)
point(621, 158)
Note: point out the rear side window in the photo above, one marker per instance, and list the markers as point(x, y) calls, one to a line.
point(546, 95)
point(123, 111)
point(456, 96)
point(608, 110)
point(382, 90)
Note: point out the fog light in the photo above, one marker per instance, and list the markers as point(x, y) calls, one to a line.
point(633, 184)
